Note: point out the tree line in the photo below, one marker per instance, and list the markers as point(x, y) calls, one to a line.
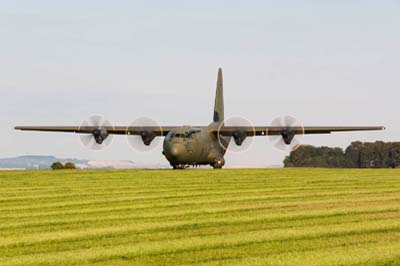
point(61, 166)
point(358, 155)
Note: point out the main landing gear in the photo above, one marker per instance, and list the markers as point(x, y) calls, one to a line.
point(180, 166)
point(217, 164)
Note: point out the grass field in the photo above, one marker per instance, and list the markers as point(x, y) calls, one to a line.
point(204, 217)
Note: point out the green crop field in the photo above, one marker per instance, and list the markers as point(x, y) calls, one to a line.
point(200, 217)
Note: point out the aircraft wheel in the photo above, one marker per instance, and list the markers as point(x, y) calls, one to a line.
point(218, 163)
point(178, 166)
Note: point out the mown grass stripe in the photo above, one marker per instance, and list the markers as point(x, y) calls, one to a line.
point(229, 217)
point(185, 231)
point(191, 213)
point(197, 243)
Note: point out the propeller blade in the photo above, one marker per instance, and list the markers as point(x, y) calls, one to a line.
point(97, 122)
point(226, 141)
point(289, 121)
point(85, 139)
point(136, 142)
point(278, 142)
point(280, 145)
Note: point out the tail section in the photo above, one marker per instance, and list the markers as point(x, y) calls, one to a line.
point(219, 100)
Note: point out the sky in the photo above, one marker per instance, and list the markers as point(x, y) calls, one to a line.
point(329, 63)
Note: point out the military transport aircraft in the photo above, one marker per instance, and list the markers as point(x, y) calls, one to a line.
point(195, 145)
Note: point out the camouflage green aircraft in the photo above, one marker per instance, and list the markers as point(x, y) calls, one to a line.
point(195, 145)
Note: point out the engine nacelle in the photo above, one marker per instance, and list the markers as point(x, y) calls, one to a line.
point(147, 137)
point(100, 134)
point(288, 135)
point(239, 137)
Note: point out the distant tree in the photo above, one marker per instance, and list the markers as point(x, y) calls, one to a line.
point(57, 166)
point(353, 154)
point(381, 154)
point(394, 155)
point(358, 155)
point(70, 165)
point(368, 155)
point(310, 156)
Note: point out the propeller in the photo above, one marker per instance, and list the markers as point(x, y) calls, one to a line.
point(288, 140)
point(97, 137)
point(239, 141)
point(143, 140)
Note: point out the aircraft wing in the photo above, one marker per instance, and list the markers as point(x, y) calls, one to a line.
point(120, 130)
point(261, 131)
point(225, 131)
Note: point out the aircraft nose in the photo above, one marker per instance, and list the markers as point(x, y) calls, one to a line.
point(175, 150)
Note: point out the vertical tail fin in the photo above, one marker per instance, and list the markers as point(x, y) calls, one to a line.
point(219, 100)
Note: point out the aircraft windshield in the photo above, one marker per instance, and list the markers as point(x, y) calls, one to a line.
point(182, 135)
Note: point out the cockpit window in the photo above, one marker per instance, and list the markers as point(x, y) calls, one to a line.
point(170, 135)
point(186, 135)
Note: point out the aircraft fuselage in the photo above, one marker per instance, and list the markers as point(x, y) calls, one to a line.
point(187, 145)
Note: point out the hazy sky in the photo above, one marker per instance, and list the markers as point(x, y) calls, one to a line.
point(327, 62)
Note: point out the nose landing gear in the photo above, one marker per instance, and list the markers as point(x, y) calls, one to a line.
point(219, 162)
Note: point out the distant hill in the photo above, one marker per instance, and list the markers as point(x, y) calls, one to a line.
point(35, 162)
point(44, 162)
